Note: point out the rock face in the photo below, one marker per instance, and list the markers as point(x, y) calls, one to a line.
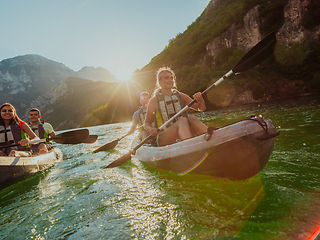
point(292, 30)
point(45, 101)
point(235, 38)
point(52, 96)
point(246, 37)
point(23, 72)
point(24, 78)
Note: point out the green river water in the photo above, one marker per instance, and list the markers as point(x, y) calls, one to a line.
point(77, 199)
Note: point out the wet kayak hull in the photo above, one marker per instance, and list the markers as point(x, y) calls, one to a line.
point(17, 168)
point(237, 151)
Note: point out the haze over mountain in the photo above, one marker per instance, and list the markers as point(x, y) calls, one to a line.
point(71, 101)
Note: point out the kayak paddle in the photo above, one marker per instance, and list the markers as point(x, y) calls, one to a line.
point(114, 143)
point(110, 145)
point(91, 139)
point(70, 137)
point(253, 57)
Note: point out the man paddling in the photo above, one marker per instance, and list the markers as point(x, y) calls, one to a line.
point(42, 130)
point(140, 115)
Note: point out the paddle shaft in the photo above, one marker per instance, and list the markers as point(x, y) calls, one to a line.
point(123, 136)
point(113, 144)
point(120, 138)
point(32, 142)
point(71, 137)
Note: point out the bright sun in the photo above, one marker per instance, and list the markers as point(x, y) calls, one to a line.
point(124, 73)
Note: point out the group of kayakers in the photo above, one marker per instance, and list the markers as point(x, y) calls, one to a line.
point(13, 130)
point(165, 102)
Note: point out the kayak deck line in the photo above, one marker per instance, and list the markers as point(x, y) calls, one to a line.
point(15, 161)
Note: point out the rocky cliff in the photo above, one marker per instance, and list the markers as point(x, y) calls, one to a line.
point(25, 78)
point(236, 37)
point(245, 36)
point(293, 30)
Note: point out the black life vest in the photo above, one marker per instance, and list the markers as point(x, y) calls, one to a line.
point(39, 131)
point(12, 135)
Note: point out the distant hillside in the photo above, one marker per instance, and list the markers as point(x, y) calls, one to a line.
point(227, 29)
point(96, 74)
point(70, 104)
point(24, 78)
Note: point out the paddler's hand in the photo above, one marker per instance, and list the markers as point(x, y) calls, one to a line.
point(198, 97)
point(154, 132)
point(23, 142)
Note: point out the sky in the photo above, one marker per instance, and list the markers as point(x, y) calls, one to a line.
point(119, 35)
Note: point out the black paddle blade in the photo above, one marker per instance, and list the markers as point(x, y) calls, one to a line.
point(261, 51)
point(91, 139)
point(120, 161)
point(71, 137)
point(107, 146)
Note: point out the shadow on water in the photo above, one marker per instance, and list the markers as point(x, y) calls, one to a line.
point(9, 191)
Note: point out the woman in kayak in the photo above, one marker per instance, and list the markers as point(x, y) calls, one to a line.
point(166, 102)
point(13, 130)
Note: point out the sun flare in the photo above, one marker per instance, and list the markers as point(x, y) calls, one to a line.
point(124, 73)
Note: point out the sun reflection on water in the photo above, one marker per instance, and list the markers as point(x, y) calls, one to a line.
point(141, 202)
